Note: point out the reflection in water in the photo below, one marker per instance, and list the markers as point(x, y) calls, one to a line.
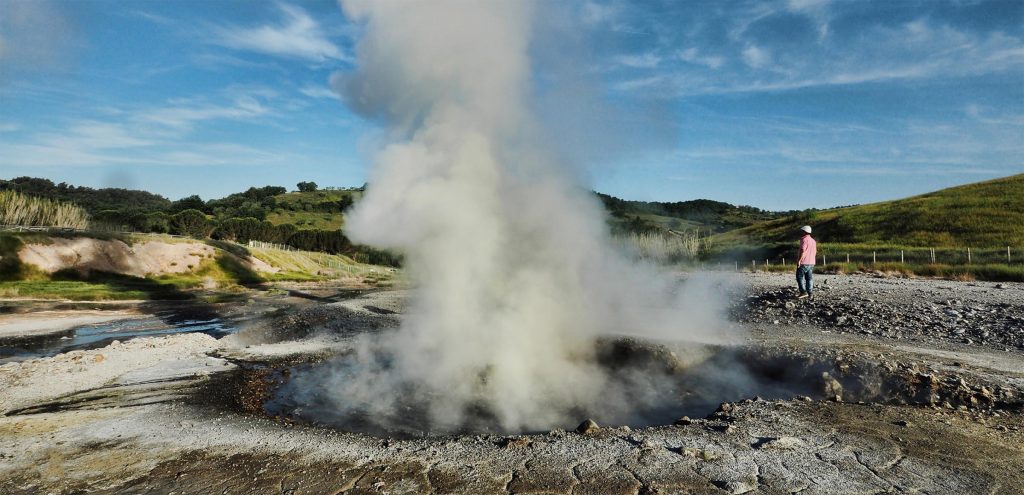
point(100, 335)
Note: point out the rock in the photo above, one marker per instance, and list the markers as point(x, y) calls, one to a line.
point(736, 487)
point(782, 443)
point(901, 422)
point(99, 358)
point(683, 421)
point(830, 386)
point(588, 427)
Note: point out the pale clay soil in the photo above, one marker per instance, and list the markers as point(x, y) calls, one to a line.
point(175, 413)
point(141, 259)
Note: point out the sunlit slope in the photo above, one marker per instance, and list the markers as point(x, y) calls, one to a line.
point(984, 214)
point(323, 209)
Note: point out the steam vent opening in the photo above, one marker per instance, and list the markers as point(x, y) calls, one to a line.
point(647, 385)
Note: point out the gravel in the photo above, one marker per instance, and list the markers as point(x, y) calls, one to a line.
point(983, 314)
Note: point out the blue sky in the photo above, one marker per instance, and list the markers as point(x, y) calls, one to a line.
point(780, 105)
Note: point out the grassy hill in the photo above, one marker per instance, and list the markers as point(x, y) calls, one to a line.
point(313, 209)
point(984, 214)
point(704, 214)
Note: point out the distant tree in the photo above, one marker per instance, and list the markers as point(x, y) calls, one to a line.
point(307, 186)
point(192, 202)
point(158, 222)
point(282, 233)
point(192, 223)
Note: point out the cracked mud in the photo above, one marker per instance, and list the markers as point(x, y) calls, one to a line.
point(891, 399)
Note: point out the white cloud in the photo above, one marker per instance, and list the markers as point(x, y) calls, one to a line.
point(9, 127)
point(756, 57)
point(298, 37)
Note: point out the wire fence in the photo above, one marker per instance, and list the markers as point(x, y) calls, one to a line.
point(916, 256)
point(271, 245)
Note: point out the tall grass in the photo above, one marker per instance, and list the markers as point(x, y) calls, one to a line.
point(663, 248)
point(28, 211)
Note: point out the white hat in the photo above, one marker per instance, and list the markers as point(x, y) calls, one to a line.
point(806, 228)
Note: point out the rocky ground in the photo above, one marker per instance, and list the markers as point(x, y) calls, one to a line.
point(975, 314)
point(899, 402)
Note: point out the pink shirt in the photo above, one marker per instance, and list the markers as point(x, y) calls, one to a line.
point(808, 250)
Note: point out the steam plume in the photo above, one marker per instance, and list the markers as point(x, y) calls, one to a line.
point(514, 277)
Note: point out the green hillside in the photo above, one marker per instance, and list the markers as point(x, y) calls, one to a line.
point(321, 209)
point(703, 214)
point(984, 214)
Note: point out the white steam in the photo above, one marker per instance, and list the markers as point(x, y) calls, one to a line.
point(513, 272)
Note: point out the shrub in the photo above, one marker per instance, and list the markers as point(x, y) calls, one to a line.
point(192, 223)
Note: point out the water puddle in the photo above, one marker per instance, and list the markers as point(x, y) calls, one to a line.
point(102, 334)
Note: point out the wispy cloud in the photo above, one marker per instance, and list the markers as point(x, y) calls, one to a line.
point(921, 47)
point(693, 55)
point(318, 92)
point(146, 136)
point(985, 116)
point(642, 61)
point(94, 143)
point(298, 36)
point(184, 116)
point(151, 17)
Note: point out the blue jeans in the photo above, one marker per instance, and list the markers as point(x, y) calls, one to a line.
point(804, 274)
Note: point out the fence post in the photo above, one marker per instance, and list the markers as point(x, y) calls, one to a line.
point(1007, 255)
point(736, 265)
point(901, 256)
point(847, 258)
point(873, 258)
point(783, 261)
point(753, 265)
point(968, 256)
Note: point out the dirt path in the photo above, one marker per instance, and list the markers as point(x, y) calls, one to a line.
point(177, 414)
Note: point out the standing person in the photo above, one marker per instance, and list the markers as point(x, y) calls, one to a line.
point(805, 263)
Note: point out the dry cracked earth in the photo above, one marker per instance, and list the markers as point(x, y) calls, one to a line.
point(876, 386)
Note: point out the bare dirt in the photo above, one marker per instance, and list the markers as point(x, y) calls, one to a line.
point(140, 259)
point(921, 410)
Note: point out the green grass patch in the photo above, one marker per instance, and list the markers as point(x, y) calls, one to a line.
point(307, 220)
point(69, 290)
